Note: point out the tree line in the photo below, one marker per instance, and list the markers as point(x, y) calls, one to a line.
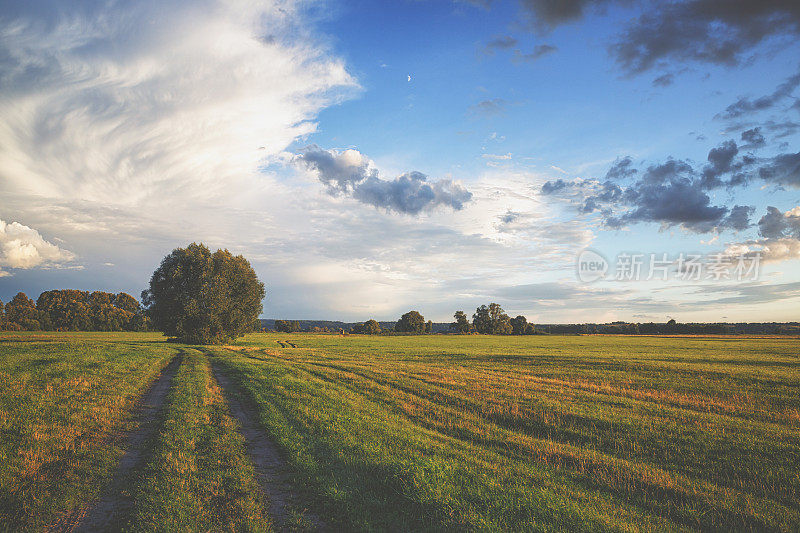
point(487, 319)
point(492, 320)
point(73, 310)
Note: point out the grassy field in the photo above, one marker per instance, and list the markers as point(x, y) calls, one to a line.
point(198, 476)
point(63, 401)
point(414, 433)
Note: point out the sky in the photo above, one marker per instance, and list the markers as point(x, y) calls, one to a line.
point(574, 161)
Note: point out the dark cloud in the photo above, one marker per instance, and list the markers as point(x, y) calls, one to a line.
point(338, 171)
point(501, 42)
point(777, 225)
point(665, 80)
point(772, 225)
point(746, 106)
point(539, 51)
point(711, 31)
point(410, 193)
point(671, 169)
point(621, 169)
point(351, 173)
point(555, 185)
point(509, 217)
point(783, 169)
point(490, 107)
point(739, 218)
point(753, 138)
point(610, 193)
point(552, 13)
point(479, 3)
point(677, 201)
point(675, 193)
point(720, 161)
point(782, 129)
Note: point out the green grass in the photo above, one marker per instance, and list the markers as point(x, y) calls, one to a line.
point(535, 433)
point(198, 477)
point(589, 433)
point(63, 400)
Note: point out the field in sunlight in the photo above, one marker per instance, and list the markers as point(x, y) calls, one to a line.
point(535, 432)
point(406, 433)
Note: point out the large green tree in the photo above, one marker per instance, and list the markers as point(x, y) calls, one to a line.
point(519, 325)
point(411, 322)
point(201, 297)
point(461, 325)
point(21, 313)
point(491, 320)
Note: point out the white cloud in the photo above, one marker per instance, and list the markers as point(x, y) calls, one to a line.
point(770, 250)
point(23, 247)
point(140, 103)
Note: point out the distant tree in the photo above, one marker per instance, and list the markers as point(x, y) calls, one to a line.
point(22, 312)
point(461, 325)
point(519, 325)
point(201, 297)
point(287, 326)
point(481, 320)
point(411, 322)
point(370, 327)
point(491, 320)
point(429, 326)
point(2, 315)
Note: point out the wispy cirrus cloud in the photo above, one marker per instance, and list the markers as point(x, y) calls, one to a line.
point(134, 103)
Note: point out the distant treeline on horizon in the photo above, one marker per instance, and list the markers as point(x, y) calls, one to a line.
point(610, 328)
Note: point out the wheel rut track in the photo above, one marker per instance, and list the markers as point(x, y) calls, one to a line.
point(101, 514)
point(272, 472)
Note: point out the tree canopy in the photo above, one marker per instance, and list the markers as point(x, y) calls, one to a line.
point(287, 326)
point(461, 325)
point(73, 310)
point(91, 311)
point(370, 327)
point(491, 320)
point(411, 322)
point(21, 313)
point(199, 297)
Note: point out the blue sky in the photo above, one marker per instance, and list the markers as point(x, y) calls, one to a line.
point(374, 157)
